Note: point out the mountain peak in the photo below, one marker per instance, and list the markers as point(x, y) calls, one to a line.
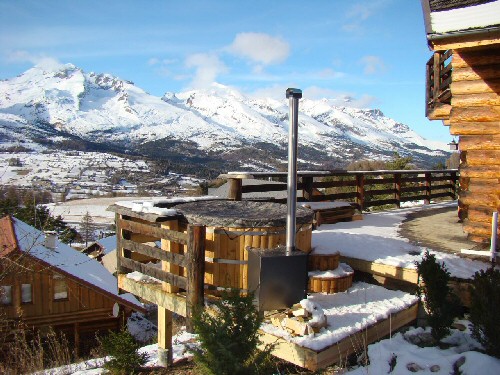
point(218, 120)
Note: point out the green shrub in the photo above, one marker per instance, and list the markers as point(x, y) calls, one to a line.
point(485, 302)
point(439, 302)
point(229, 338)
point(123, 349)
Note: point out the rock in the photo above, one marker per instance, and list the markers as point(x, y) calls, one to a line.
point(413, 367)
point(435, 368)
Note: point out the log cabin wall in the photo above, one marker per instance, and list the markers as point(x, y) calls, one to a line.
point(57, 301)
point(475, 119)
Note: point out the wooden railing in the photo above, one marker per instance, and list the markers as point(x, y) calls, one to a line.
point(364, 189)
point(438, 80)
point(193, 260)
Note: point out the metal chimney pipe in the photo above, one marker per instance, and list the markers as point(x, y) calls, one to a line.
point(293, 95)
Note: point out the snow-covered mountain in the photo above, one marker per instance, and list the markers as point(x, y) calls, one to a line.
point(66, 106)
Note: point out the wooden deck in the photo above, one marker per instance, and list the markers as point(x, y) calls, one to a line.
point(339, 351)
point(396, 277)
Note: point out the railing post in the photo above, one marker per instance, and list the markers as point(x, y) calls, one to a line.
point(235, 192)
point(195, 272)
point(360, 190)
point(307, 188)
point(437, 75)
point(453, 181)
point(397, 189)
point(428, 180)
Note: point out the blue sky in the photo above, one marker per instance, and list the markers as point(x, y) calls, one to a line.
point(372, 51)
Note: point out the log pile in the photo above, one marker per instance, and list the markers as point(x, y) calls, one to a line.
point(299, 321)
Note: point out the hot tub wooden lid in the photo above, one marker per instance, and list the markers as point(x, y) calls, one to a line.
point(240, 214)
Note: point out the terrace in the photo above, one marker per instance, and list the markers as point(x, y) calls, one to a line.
point(209, 245)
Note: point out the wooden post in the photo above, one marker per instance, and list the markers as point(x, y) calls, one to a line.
point(119, 249)
point(195, 272)
point(453, 181)
point(437, 76)
point(165, 354)
point(397, 187)
point(428, 180)
point(77, 339)
point(235, 192)
point(360, 190)
point(307, 188)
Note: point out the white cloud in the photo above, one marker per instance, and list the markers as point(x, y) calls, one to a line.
point(372, 64)
point(207, 67)
point(360, 12)
point(338, 98)
point(260, 48)
point(40, 60)
point(153, 61)
point(276, 91)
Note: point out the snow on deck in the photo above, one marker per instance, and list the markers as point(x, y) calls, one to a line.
point(376, 239)
point(347, 313)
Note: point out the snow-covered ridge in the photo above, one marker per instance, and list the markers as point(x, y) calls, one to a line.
point(105, 109)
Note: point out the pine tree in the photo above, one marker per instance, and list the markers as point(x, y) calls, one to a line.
point(88, 228)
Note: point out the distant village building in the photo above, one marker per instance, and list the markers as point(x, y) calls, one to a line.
point(47, 283)
point(463, 90)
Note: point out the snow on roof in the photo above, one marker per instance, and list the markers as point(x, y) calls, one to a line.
point(376, 239)
point(65, 258)
point(475, 16)
point(108, 244)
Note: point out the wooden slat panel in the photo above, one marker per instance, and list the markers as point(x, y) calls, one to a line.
point(329, 184)
point(167, 277)
point(337, 196)
point(155, 252)
point(154, 231)
point(262, 188)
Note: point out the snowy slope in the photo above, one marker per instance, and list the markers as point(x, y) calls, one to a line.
point(66, 102)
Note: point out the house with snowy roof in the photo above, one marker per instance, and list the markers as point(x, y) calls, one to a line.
point(463, 90)
point(44, 282)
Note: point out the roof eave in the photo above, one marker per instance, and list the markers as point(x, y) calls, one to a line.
point(464, 38)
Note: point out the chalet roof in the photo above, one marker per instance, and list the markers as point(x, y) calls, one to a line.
point(16, 235)
point(449, 17)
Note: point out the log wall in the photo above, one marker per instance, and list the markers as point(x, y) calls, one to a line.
point(83, 313)
point(475, 119)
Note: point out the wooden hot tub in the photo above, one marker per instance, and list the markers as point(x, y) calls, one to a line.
point(232, 226)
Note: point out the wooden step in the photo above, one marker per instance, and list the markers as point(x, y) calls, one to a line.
point(331, 281)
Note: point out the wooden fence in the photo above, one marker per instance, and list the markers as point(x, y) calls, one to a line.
point(364, 189)
point(132, 254)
